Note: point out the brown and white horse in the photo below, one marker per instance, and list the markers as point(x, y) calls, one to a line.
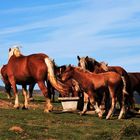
point(91, 83)
point(34, 68)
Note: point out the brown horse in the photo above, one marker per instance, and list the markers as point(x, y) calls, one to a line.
point(96, 67)
point(91, 83)
point(4, 77)
point(135, 81)
point(35, 68)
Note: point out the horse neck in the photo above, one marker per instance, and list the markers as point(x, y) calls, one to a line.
point(78, 75)
point(90, 66)
point(98, 70)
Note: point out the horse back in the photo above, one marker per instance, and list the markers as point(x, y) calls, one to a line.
point(118, 69)
point(112, 77)
point(26, 68)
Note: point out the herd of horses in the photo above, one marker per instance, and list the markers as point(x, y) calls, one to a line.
point(98, 84)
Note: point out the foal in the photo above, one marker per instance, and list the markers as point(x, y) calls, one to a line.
point(91, 83)
point(94, 66)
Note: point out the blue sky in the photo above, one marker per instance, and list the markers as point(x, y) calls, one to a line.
point(107, 30)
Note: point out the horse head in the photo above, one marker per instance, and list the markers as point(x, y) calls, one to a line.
point(82, 62)
point(14, 51)
point(87, 63)
point(60, 69)
point(67, 74)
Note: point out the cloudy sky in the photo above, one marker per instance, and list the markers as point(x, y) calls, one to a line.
point(107, 30)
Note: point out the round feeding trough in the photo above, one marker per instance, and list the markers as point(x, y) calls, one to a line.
point(69, 103)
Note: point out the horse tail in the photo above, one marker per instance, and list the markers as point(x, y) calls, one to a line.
point(63, 89)
point(124, 86)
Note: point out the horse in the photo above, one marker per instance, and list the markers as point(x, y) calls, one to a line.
point(4, 77)
point(94, 66)
point(34, 68)
point(135, 81)
point(91, 83)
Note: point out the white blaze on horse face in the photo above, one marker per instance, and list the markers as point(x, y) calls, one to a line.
point(82, 63)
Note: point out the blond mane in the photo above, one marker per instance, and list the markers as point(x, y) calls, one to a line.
point(14, 51)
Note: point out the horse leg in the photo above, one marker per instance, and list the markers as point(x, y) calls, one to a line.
point(43, 88)
point(13, 84)
point(113, 102)
point(24, 92)
point(51, 91)
point(86, 100)
point(122, 107)
point(8, 89)
point(95, 104)
point(102, 105)
point(31, 87)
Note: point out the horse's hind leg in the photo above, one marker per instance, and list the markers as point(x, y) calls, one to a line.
point(43, 88)
point(31, 87)
point(122, 107)
point(8, 91)
point(24, 92)
point(113, 103)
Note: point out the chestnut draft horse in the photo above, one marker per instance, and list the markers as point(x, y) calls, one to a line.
point(91, 83)
point(34, 68)
point(4, 77)
point(94, 66)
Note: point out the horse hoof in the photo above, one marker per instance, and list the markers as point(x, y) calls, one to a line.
point(16, 107)
point(81, 113)
point(47, 111)
point(25, 108)
point(107, 118)
point(31, 99)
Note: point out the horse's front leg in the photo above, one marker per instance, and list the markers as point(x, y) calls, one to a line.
point(24, 92)
point(95, 104)
point(43, 88)
point(13, 84)
point(86, 100)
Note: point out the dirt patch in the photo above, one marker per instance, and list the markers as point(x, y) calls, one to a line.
point(17, 129)
point(5, 104)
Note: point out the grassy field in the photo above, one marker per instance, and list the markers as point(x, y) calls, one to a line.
point(34, 124)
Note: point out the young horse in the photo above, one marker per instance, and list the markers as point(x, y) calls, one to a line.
point(91, 83)
point(96, 67)
point(35, 68)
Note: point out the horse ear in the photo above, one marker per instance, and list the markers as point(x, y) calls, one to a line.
point(78, 57)
point(9, 49)
point(86, 57)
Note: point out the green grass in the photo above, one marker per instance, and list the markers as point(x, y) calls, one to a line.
point(63, 126)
